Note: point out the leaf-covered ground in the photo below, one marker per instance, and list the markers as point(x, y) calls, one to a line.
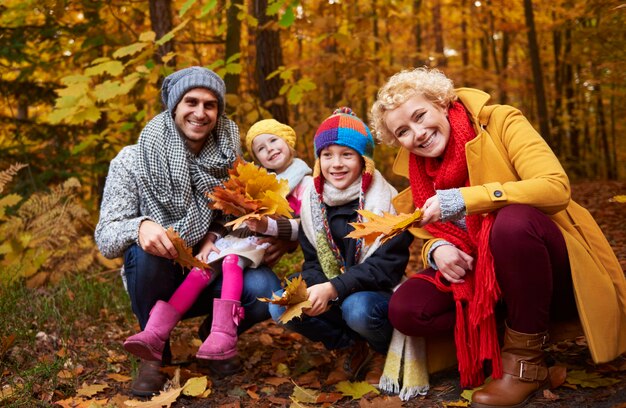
point(276, 360)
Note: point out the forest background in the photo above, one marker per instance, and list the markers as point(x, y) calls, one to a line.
point(80, 79)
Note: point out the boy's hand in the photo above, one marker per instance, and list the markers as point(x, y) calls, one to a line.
point(255, 225)
point(319, 296)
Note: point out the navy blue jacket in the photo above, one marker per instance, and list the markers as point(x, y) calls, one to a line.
point(379, 272)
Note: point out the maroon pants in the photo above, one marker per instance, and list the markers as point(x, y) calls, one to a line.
point(532, 269)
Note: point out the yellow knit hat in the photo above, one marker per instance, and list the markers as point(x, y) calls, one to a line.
point(271, 127)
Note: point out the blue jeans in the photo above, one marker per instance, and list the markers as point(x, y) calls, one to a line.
point(150, 278)
point(360, 315)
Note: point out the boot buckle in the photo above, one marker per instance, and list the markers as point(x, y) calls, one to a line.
point(529, 371)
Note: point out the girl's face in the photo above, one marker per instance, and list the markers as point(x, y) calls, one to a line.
point(341, 166)
point(272, 152)
point(420, 126)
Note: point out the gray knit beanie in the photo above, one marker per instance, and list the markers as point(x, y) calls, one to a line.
point(180, 82)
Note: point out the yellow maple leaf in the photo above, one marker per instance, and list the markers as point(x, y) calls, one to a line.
point(355, 390)
point(590, 380)
point(251, 191)
point(619, 199)
point(164, 399)
point(385, 226)
point(91, 390)
point(185, 257)
point(195, 386)
point(295, 298)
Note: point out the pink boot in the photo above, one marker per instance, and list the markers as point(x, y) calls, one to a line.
point(222, 342)
point(149, 343)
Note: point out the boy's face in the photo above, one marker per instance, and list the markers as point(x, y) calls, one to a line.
point(420, 126)
point(196, 116)
point(272, 152)
point(341, 166)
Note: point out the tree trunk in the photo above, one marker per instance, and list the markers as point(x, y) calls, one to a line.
point(506, 41)
point(233, 44)
point(557, 123)
point(464, 43)
point(603, 136)
point(535, 60)
point(161, 20)
point(438, 33)
point(268, 58)
point(419, 60)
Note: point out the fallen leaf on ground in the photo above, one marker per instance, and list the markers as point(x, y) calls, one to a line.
point(91, 390)
point(355, 390)
point(195, 386)
point(119, 377)
point(383, 401)
point(592, 380)
point(549, 395)
point(164, 399)
point(305, 395)
point(557, 375)
point(458, 403)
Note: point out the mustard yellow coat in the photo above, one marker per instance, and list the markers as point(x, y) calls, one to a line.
point(510, 163)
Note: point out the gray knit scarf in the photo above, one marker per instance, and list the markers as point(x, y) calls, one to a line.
point(173, 181)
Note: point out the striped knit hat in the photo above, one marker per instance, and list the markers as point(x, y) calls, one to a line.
point(344, 128)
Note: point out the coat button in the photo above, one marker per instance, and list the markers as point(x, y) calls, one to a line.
point(497, 193)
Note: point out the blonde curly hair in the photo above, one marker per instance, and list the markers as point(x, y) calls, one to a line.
point(428, 82)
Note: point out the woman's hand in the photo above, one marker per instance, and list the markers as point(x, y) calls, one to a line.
point(320, 295)
point(255, 225)
point(154, 240)
point(452, 262)
point(431, 212)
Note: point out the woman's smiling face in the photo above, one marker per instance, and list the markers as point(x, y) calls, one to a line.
point(420, 126)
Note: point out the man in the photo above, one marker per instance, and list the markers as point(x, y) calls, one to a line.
point(161, 182)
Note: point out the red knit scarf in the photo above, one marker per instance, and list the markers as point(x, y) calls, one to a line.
point(475, 332)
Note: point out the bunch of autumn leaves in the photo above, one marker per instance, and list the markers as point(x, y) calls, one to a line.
point(252, 193)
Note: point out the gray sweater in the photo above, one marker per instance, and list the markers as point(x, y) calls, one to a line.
point(122, 209)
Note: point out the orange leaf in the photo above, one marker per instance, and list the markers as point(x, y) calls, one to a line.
point(250, 189)
point(557, 375)
point(386, 225)
point(295, 298)
point(185, 257)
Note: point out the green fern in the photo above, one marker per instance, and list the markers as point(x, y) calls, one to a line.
point(7, 175)
point(49, 236)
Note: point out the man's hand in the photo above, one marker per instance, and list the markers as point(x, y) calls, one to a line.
point(154, 240)
point(319, 296)
point(277, 249)
point(452, 262)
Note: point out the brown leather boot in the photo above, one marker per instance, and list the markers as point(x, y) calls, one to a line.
point(375, 369)
point(150, 380)
point(524, 372)
point(349, 363)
